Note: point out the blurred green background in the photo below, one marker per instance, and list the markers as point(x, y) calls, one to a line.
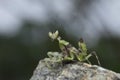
point(24, 27)
point(18, 60)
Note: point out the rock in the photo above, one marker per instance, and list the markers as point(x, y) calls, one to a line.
point(72, 71)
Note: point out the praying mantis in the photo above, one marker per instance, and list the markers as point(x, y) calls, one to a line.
point(69, 52)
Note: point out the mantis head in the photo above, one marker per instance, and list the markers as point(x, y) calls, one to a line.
point(53, 35)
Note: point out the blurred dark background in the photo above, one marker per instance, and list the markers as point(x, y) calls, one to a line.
point(24, 27)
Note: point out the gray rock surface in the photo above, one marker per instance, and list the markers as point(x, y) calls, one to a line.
point(72, 71)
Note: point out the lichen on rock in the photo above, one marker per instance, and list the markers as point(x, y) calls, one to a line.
point(72, 71)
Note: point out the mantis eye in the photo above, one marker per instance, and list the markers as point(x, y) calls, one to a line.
point(50, 34)
point(56, 33)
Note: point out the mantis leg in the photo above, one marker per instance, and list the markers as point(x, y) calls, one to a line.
point(71, 57)
point(78, 56)
point(50, 54)
point(89, 61)
point(94, 53)
point(87, 58)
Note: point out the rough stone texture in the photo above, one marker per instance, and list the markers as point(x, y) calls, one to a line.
point(72, 71)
